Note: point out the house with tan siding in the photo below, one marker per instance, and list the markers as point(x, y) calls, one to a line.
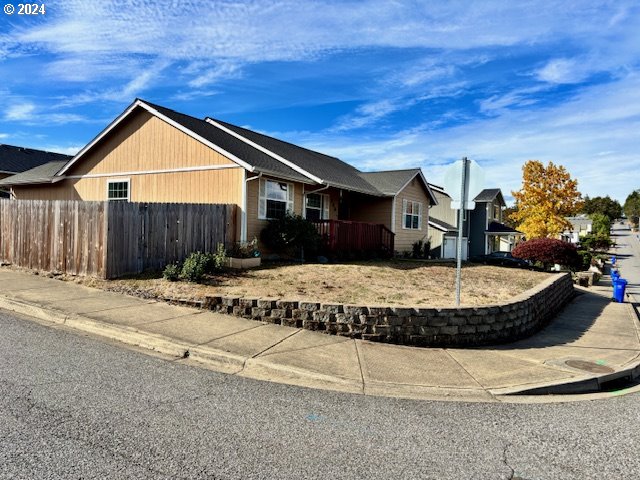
point(150, 153)
point(14, 160)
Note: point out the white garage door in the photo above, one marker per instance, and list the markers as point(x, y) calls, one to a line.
point(450, 245)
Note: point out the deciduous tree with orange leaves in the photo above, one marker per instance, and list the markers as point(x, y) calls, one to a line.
point(547, 196)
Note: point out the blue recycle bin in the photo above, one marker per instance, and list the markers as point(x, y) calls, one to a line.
point(615, 275)
point(619, 287)
point(613, 260)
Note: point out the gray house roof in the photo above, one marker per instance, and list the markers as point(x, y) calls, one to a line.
point(392, 182)
point(19, 159)
point(257, 153)
point(489, 195)
point(40, 174)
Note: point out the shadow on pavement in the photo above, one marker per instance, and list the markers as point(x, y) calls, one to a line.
point(568, 326)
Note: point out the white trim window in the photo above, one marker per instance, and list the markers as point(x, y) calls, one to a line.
point(119, 190)
point(316, 206)
point(275, 199)
point(411, 215)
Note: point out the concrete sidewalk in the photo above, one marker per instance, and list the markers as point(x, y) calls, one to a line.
point(590, 338)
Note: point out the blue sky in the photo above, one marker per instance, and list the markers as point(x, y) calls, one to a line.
point(381, 84)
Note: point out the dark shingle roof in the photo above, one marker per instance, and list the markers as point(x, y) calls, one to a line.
point(262, 161)
point(489, 195)
point(331, 170)
point(19, 159)
point(390, 182)
point(443, 226)
point(40, 174)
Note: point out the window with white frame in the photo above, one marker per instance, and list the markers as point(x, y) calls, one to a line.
point(316, 206)
point(411, 215)
point(118, 190)
point(275, 199)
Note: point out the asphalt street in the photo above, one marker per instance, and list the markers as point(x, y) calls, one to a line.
point(628, 258)
point(72, 406)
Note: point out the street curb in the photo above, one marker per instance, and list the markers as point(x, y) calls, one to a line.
point(265, 370)
point(579, 386)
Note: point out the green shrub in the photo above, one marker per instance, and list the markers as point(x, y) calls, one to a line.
point(216, 260)
point(171, 272)
point(585, 259)
point(291, 235)
point(195, 266)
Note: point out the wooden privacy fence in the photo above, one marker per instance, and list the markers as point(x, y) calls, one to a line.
point(109, 239)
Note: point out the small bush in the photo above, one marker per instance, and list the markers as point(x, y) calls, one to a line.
point(216, 260)
point(245, 249)
point(596, 242)
point(548, 251)
point(290, 235)
point(171, 272)
point(195, 266)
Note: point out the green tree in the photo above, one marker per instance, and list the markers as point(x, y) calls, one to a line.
point(632, 207)
point(601, 224)
point(547, 196)
point(604, 205)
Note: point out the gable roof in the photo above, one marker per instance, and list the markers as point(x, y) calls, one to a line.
point(40, 174)
point(439, 189)
point(392, 182)
point(19, 159)
point(261, 153)
point(442, 226)
point(489, 195)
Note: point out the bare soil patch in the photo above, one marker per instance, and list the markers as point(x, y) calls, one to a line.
point(399, 283)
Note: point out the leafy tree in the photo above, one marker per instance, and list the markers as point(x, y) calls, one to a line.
point(601, 224)
point(632, 207)
point(604, 205)
point(548, 251)
point(507, 214)
point(547, 196)
point(596, 242)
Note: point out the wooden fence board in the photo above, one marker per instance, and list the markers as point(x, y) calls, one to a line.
point(109, 239)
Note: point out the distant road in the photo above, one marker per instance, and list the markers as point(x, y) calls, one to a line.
point(628, 252)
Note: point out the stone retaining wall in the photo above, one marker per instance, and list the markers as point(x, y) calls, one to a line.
point(417, 326)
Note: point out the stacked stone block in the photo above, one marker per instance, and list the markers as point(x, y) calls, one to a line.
point(464, 326)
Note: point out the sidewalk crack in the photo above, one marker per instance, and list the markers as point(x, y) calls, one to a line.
point(462, 367)
point(359, 355)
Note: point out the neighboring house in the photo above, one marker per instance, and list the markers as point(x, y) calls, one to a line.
point(153, 154)
point(14, 160)
point(581, 225)
point(443, 223)
point(486, 231)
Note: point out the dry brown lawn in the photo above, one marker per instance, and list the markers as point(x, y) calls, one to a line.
point(400, 283)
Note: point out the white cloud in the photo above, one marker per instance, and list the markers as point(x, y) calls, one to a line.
point(563, 70)
point(30, 114)
point(107, 34)
point(594, 136)
point(20, 112)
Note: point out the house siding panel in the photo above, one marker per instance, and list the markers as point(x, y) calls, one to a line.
point(145, 143)
point(405, 238)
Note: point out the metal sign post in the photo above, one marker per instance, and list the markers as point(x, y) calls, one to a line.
point(463, 180)
point(463, 204)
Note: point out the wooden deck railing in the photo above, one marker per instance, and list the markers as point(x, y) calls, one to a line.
point(347, 236)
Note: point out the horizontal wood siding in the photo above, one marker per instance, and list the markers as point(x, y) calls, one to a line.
point(405, 238)
point(109, 239)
